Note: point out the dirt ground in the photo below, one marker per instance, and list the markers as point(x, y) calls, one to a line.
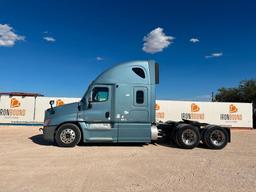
point(28, 163)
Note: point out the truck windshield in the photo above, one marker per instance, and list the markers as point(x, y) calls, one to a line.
point(83, 100)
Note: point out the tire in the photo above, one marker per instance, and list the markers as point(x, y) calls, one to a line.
point(203, 133)
point(215, 137)
point(177, 141)
point(187, 136)
point(68, 135)
point(172, 138)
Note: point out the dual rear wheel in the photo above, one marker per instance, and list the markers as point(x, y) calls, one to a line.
point(215, 137)
point(188, 137)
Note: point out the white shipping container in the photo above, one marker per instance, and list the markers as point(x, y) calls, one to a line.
point(219, 113)
point(27, 110)
point(30, 110)
point(16, 109)
point(42, 103)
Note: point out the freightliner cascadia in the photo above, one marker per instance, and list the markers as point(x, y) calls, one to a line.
point(119, 107)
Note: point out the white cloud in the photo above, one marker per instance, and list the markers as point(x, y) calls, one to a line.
point(217, 54)
point(99, 58)
point(8, 37)
point(194, 40)
point(214, 55)
point(156, 41)
point(49, 39)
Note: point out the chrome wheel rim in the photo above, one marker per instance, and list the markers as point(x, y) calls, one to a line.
point(217, 137)
point(67, 136)
point(189, 137)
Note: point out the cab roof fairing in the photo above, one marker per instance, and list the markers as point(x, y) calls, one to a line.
point(123, 73)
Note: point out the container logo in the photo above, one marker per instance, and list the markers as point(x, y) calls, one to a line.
point(14, 103)
point(232, 115)
point(59, 102)
point(195, 107)
point(157, 107)
point(12, 112)
point(194, 115)
point(232, 108)
point(159, 114)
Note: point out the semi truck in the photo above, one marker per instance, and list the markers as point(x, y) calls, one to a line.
point(119, 107)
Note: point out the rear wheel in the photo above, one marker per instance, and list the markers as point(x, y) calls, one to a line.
point(187, 136)
point(215, 138)
point(68, 135)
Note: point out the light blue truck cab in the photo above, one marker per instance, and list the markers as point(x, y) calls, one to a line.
point(119, 106)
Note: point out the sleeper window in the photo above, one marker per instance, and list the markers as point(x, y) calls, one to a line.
point(140, 72)
point(139, 97)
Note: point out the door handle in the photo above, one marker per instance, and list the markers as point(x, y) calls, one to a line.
point(107, 114)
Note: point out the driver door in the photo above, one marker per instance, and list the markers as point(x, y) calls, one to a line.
point(97, 117)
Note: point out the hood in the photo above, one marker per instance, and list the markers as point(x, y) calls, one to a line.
point(60, 114)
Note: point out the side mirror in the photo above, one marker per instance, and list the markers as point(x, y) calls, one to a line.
point(80, 105)
point(51, 103)
point(89, 103)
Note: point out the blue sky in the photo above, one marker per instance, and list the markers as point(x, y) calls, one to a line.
point(60, 46)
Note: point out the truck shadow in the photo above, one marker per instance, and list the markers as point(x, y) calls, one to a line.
point(38, 139)
point(112, 144)
point(172, 145)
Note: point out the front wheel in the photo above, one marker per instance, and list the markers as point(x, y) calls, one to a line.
point(68, 135)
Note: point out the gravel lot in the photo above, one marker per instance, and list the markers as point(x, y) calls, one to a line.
point(28, 163)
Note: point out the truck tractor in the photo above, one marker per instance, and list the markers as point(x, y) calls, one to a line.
point(119, 107)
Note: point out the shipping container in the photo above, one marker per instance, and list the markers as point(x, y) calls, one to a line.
point(218, 113)
point(29, 110)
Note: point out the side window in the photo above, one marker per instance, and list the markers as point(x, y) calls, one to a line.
point(140, 72)
point(139, 97)
point(100, 94)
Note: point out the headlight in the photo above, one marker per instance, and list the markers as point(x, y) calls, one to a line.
point(47, 122)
